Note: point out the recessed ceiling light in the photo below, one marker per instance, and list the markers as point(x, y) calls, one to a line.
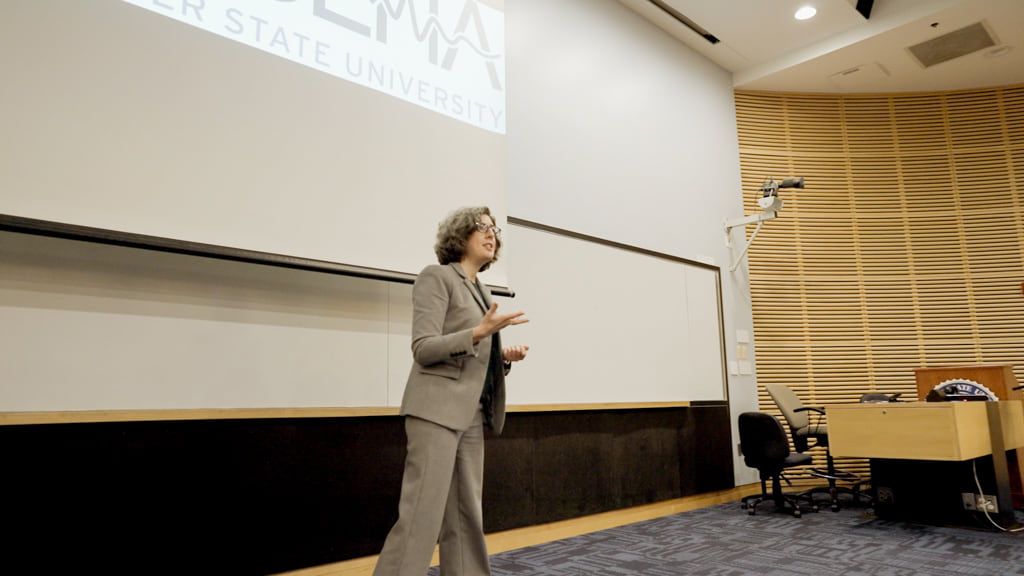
point(805, 13)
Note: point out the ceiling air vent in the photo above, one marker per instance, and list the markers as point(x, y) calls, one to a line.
point(953, 45)
point(859, 76)
point(679, 17)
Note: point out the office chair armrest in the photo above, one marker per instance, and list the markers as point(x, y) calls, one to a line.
point(810, 409)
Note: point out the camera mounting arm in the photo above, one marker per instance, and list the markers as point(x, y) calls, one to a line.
point(770, 204)
point(734, 222)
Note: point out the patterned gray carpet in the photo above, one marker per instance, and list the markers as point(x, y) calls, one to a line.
point(725, 541)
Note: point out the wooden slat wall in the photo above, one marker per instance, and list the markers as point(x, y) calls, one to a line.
point(906, 249)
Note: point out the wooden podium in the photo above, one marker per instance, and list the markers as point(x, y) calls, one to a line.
point(1000, 379)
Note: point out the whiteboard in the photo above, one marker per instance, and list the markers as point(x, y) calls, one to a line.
point(97, 327)
point(607, 324)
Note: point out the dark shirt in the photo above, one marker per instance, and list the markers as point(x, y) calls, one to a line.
point(494, 364)
point(488, 392)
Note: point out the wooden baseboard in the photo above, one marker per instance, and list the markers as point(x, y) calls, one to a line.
point(543, 533)
point(155, 415)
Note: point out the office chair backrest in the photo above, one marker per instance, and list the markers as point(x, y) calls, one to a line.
point(874, 397)
point(787, 402)
point(762, 441)
point(879, 397)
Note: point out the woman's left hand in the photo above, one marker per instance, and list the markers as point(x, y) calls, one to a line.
point(514, 353)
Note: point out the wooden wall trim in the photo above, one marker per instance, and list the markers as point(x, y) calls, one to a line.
point(85, 416)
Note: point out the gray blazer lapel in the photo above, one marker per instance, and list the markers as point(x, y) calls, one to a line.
point(484, 303)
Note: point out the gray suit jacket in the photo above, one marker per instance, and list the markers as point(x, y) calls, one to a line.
point(448, 371)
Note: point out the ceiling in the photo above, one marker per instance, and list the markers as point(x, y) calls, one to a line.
point(841, 51)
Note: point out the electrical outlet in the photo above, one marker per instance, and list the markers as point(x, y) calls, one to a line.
point(970, 501)
point(885, 496)
point(987, 503)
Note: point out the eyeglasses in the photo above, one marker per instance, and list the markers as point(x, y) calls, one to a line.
point(485, 228)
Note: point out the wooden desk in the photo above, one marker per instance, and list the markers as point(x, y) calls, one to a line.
point(932, 431)
point(921, 430)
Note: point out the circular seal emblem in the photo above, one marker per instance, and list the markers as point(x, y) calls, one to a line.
point(964, 389)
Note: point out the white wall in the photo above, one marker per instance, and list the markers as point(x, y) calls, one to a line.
point(615, 130)
point(619, 131)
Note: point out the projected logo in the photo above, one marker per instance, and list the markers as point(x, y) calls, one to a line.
point(445, 55)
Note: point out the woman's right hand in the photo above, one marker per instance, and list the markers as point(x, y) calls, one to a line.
point(493, 322)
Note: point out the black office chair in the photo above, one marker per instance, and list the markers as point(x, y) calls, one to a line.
point(764, 447)
point(803, 432)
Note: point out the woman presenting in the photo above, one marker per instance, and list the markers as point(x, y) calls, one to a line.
point(455, 388)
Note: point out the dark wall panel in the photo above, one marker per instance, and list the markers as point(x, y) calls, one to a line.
point(262, 496)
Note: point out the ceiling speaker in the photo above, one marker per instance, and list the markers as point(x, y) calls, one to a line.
point(864, 7)
point(952, 45)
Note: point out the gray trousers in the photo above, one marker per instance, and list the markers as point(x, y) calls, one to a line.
point(441, 503)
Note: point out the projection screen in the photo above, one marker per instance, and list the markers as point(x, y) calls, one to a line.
point(326, 130)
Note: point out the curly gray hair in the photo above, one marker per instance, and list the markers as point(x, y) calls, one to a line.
point(455, 229)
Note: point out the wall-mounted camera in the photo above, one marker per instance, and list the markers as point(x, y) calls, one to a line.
point(770, 204)
point(769, 200)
